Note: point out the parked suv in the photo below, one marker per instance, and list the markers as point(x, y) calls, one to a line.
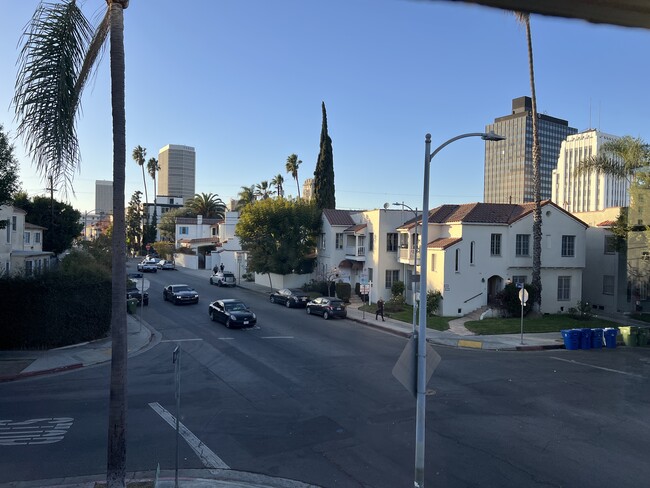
point(223, 278)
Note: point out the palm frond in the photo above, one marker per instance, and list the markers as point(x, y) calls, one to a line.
point(46, 100)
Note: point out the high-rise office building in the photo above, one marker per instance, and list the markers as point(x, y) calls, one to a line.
point(509, 163)
point(590, 192)
point(177, 175)
point(103, 197)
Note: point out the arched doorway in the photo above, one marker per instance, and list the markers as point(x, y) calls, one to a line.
point(495, 285)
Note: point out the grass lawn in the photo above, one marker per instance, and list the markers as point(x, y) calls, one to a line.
point(645, 317)
point(406, 315)
point(545, 323)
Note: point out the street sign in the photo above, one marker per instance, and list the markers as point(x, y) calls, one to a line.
point(405, 370)
point(142, 284)
point(364, 289)
point(523, 296)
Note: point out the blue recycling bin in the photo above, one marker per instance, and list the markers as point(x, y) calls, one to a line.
point(610, 337)
point(597, 338)
point(571, 338)
point(585, 338)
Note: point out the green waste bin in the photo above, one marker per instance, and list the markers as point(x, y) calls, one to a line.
point(643, 333)
point(132, 305)
point(630, 334)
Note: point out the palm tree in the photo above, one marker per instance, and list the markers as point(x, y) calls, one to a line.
point(139, 155)
point(277, 182)
point(620, 158)
point(293, 163)
point(246, 196)
point(59, 50)
point(152, 169)
point(536, 281)
point(262, 190)
point(207, 204)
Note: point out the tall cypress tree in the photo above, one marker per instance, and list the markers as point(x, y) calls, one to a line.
point(324, 173)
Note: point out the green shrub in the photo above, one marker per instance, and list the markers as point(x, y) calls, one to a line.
point(397, 288)
point(582, 311)
point(509, 303)
point(433, 302)
point(317, 286)
point(395, 304)
point(57, 308)
point(343, 291)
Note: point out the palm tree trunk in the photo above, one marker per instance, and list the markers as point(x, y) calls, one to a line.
point(116, 452)
point(537, 213)
point(298, 185)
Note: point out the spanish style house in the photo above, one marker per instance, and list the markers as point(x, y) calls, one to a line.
point(474, 251)
point(21, 244)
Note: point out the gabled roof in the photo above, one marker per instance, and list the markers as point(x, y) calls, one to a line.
point(489, 213)
point(338, 217)
point(34, 226)
point(444, 242)
point(606, 223)
point(356, 228)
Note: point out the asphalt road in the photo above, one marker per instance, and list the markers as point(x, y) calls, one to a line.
point(313, 400)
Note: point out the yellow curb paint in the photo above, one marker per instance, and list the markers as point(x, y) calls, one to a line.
point(466, 343)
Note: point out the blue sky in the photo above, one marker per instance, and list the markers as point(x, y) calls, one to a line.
point(242, 81)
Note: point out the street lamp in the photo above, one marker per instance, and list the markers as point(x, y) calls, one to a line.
point(422, 351)
point(415, 261)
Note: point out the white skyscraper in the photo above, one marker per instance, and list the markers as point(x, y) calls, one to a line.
point(177, 175)
point(103, 197)
point(590, 192)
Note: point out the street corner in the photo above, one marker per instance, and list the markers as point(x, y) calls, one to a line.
point(469, 343)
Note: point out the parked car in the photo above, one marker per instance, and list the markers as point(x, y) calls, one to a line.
point(133, 292)
point(180, 294)
point(232, 313)
point(290, 297)
point(223, 278)
point(148, 266)
point(165, 264)
point(327, 307)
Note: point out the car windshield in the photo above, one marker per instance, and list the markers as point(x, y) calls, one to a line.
point(295, 291)
point(235, 307)
point(182, 288)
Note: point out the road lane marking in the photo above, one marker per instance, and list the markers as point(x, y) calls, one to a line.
point(209, 459)
point(181, 340)
point(34, 431)
point(597, 367)
point(276, 337)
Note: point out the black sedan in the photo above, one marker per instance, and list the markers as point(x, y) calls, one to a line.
point(133, 292)
point(180, 294)
point(232, 313)
point(290, 297)
point(327, 307)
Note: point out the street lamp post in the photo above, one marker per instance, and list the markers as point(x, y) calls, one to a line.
point(421, 350)
point(415, 262)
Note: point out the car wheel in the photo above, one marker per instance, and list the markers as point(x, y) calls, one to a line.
point(211, 282)
point(219, 284)
point(288, 303)
point(212, 316)
point(272, 299)
point(228, 323)
point(326, 315)
point(308, 311)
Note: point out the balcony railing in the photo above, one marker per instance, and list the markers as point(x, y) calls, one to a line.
point(355, 250)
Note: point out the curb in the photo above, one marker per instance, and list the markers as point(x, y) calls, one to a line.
point(390, 330)
point(31, 374)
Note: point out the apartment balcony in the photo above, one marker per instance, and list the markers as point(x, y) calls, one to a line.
point(355, 253)
point(406, 256)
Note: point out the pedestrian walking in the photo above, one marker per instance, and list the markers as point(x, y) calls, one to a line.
point(380, 310)
point(221, 266)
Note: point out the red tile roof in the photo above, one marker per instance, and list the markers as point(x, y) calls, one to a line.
point(606, 223)
point(444, 242)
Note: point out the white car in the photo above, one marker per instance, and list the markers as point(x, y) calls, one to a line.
point(165, 264)
point(223, 278)
point(148, 266)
